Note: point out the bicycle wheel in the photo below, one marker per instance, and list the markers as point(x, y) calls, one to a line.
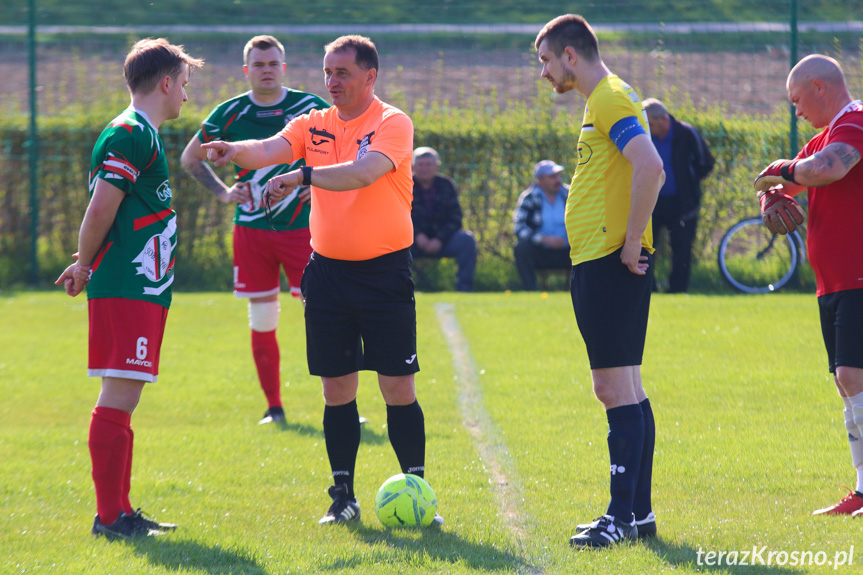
point(754, 260)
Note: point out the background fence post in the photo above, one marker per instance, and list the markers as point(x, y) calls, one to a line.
point(33, 149)
point(792, 126)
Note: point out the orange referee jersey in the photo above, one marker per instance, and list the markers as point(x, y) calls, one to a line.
point(367, 222)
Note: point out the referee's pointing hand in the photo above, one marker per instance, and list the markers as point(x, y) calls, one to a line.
point(219, 152)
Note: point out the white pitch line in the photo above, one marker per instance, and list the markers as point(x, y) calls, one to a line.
point(491, 447)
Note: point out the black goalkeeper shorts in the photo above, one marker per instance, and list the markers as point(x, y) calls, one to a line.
point(611, 307)
point(842, 328)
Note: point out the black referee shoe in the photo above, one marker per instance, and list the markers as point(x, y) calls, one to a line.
point(343, 508)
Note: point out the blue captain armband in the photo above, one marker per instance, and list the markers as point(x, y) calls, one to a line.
point(624, 130)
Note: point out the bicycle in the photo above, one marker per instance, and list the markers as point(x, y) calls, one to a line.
point(752, 259)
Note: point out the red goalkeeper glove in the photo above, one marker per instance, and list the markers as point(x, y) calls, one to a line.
point(780, 212)
point(778, 173)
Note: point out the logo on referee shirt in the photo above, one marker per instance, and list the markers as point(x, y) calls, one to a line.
point(364, 145)
point(322, 136)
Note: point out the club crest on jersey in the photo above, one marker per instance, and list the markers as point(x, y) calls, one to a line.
point(155, 258)
point(364, 145)
point(164, 191)
point(584, 153)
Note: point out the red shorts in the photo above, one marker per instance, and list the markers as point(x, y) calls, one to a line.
point(259, 254)
point(125, 338)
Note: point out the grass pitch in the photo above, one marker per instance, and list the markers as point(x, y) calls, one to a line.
point(750, 440)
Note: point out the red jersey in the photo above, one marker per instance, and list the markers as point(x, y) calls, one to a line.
point(835, 227)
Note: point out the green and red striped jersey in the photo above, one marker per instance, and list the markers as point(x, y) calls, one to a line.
point(242, 118)
point(136, 260)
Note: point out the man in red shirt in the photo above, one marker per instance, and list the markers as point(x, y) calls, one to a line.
point(829, 167)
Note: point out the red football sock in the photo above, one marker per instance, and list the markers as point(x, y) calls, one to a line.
point(109, 451)
point(127, 476)
point(265, 350)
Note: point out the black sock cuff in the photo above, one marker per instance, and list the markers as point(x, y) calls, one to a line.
point(407, 412)
point(338, 410)
point(624, 413)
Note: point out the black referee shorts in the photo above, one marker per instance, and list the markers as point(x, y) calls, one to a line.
point(842, 328)
point(360, 315)
point(611, 307)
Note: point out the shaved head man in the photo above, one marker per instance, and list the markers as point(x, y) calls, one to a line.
point(829, 168)
point(816, 86)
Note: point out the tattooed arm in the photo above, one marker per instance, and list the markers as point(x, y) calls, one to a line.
point(194, 160)
point(827, 166)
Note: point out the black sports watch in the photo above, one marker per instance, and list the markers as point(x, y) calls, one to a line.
point(307, 175)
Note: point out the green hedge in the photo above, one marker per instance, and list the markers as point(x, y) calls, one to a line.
point(488, 152)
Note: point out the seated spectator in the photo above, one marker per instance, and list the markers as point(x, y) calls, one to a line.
point(437, 215)
point(540, 226)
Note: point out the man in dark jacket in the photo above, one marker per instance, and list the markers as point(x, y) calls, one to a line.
point(436, 216)
point(687, 160)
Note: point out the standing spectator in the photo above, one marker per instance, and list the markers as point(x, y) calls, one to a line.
point(358, 290)
point(263, 243)
point(687, 160)
point(437, 218)
point(829, 167)
point(126, 259)
point(612, 194)
point(540, 225)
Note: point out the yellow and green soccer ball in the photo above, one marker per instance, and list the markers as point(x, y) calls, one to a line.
point(406, 500)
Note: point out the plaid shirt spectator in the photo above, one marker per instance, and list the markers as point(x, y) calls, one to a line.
point(527, 218)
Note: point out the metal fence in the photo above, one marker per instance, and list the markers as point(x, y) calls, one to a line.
point(699, 68)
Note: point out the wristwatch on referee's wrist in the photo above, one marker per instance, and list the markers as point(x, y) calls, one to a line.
point(307, 175)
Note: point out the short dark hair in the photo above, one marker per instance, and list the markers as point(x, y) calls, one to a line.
point(263, 42)
point(569, 30)
point(367, 53)
point(151, 59)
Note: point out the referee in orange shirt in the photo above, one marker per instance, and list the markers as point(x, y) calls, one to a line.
point(357, 287)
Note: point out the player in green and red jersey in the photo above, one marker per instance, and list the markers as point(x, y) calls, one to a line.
point(126, 258)
point(263, 243)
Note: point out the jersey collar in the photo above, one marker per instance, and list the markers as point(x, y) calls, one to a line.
point(855, 106)
point(271, 104)
point(145, 116)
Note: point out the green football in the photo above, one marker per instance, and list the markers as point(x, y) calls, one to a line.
point(405, 500)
